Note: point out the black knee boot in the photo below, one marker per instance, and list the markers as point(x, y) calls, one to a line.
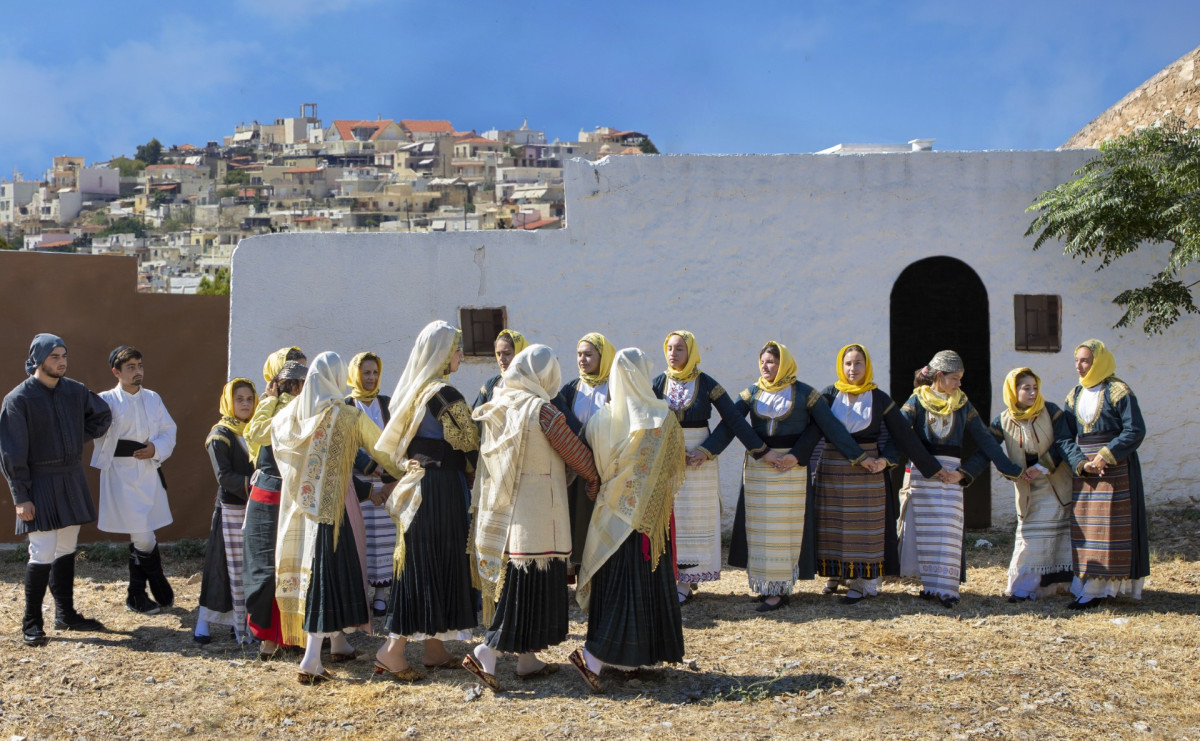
point(37, 576)
point(137, 600)
point(160, 587)
point(62, 587)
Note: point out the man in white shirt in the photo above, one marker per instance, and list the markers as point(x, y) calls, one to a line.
point(133, 493)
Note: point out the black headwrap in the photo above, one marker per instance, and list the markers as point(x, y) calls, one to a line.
point(293, 370)
point(40, 349)
point(112, 356)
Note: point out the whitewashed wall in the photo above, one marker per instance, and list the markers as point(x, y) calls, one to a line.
point(739, 249)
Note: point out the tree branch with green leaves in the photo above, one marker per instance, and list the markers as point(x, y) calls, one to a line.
point(1143, 188)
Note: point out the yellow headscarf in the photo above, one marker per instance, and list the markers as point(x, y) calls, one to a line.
point(229, 418)
point(843, 384)
point(275, 362)
point(690, 370)
point(354, 377)
point(515, 338)
point(1104, 365)
point(607, 353)
point(1010, 396)
point(787, 370)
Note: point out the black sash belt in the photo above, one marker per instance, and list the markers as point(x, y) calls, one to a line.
point(126, 449)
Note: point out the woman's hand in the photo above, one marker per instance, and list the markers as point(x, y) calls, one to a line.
point(696, 458)
point(1031, 473)
point(786, 462)
point(950, 477)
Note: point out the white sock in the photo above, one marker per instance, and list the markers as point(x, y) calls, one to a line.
point(311, 663)
point(339, 645)
point(486, 657)
point(201, 627)
point(593, 664)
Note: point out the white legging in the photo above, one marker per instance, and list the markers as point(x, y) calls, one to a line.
point(144, 542)
point(48, 545)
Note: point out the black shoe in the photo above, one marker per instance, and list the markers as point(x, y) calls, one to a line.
point(77, 622)
point(948, 602)
point(768, 607)
point(142, 604)
point(160, 586)
point(928, 596)
point(62, 587)
point(848, 600)
point(1013, 600)
point(37, 577)
point(202, 640)
point(1089, 605)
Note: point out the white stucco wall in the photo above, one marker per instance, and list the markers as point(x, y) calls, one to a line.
point(739, 249)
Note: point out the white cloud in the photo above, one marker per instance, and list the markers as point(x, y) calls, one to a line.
point(109, 100)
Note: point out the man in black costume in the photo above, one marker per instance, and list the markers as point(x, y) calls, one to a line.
point(44, 423)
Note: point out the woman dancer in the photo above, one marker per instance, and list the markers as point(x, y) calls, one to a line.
point(692, 396)
point(769, 537)
point(433, 439)
point(363, 379)
point(521, 534)
point(222, 596)
point(1110, 543)
point(1032, 431)
point(625, 585)
point(285, 379)
point(579, 400)
point(321, 585)
point(856, 508)
point(931, 509)
point(508, 343)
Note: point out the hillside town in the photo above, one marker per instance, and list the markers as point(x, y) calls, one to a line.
point(181, 210)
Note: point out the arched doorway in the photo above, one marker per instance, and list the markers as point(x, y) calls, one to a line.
point(940, 303)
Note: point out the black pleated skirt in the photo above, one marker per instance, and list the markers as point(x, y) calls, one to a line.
point(634, 615)
point(579, 510)
point(258, 575)
point(337, 595)
point(215, 591)
point(61, 498)
point(433, 593)
point(531, 613)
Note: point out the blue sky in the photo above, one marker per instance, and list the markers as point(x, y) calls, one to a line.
point(97, 79)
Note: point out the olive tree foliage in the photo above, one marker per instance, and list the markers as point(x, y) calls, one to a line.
point(1143, 188)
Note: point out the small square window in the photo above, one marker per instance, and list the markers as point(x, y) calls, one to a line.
point(479, 329)
point(1038, 322)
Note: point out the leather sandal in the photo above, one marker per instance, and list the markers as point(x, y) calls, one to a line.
point(546, 670)
point(589, 676)
point(304, 677)
point(489, 680)
point(343, 658)
point(407, 674)
point(449, 663)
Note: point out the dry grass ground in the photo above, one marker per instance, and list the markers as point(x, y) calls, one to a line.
point(892, 667)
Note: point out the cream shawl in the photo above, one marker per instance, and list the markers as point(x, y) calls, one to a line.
point(309, 438)
point(640, 454)
point(531, 380)
point(424, 375)
point(1036, 437)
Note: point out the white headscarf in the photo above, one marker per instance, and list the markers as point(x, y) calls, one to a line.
point(423, 375)
point(531, 380)
point(532, 377)
point(632, 406)
point(322, 389)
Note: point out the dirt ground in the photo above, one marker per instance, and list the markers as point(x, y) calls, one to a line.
point(891, 667)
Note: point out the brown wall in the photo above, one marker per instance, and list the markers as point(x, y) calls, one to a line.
point(92, 303)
